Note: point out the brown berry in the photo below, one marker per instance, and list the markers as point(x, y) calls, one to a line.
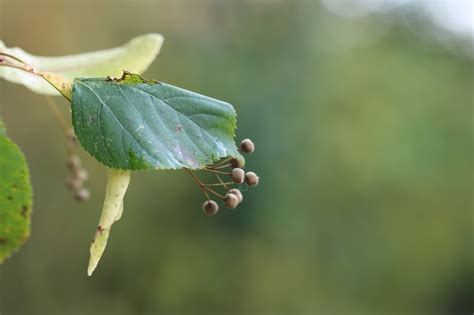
point(81, 174)
point(210, 207)
point(73, 184)
point(74, 161)
point(82, 194)
point(251, 179)
point(237, 175)
point(231, 201)
point(247, 146)
point(71, 137)
point(237, 163)
point(238, 193)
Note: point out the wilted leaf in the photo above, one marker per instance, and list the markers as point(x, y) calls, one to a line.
point(136, 56)
point(135, 124)
point(15, 197)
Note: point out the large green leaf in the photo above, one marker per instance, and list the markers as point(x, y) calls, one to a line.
point(135, 124)
point(15, 197)
point(136, 56)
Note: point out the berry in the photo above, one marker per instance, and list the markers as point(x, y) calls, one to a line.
point(73, 184)
point(210, 207)
point(247, 146)
point(236, 163)
point(251, 179)
point(81, 174)
point(71, 137)
point(82, 194)
point(237, 192)
point(231, 201)
point(74, 162)
point(237, 175)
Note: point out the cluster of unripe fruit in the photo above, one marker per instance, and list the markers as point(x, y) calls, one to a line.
point(232, 197)
point(77, 176)
point(238, 176)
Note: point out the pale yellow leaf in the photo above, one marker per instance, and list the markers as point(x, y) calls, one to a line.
point(135, 56)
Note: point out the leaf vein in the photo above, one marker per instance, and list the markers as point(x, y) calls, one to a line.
point(120, 123)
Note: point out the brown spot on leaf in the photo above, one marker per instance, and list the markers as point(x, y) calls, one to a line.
point(179, 128)
point(24, 211)
point(3, 241)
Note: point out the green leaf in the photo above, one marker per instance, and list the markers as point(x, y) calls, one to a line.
point(15, 197)
point(136, 56)
point(130, 123)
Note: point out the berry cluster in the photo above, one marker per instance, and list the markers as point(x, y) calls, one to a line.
point(232, 168)
point(77, 176)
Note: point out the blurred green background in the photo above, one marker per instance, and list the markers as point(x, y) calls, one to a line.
point(364, 135)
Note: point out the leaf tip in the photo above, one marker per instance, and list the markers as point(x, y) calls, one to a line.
point(97, 249)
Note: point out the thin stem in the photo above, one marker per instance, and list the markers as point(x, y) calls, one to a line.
point(216, 171)
point(70, 145)
point(29, 70)
point(194, 176)
point(198, 181)
point(222, 162)
point(218, 184)
point(222, 182)
point(220, 167)
point(53, 106)
point(205, 193)
point(203, 187)
point(214, 192)
point(14, 58)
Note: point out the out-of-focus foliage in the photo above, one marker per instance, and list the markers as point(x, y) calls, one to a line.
point(364, 146)
point(15, 197)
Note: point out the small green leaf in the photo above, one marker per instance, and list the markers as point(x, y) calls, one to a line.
point(134, 124)
point(15, 197)
point(136, 56)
